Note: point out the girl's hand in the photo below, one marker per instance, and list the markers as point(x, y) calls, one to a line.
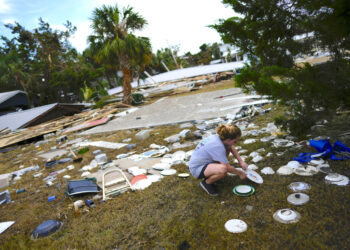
point(244, 165)
point(242, 175)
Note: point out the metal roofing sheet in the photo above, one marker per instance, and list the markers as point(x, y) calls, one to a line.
point(16, 120)
point(185, 73)
point(7, 95)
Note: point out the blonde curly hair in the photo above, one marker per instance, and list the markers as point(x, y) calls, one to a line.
point(228, 131)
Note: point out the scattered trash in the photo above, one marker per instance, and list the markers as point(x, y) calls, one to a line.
point(243, 190)
point(299, 186)
point(154, 177)
point(22, 190)
point(252, 167)
point(293, 164)
point(142, 184)
point(81, 187)
point(285, 170)
point(286, 216)
point(66, 177)
point(137, 178)
point(97, 151)
point(50, 164)
point(5, 197)
point(77, 205)
point(46, 228)
point(236, 226)
point(89, 203)
point(282, 143)
point(5, 225)
point(70, 167)
point(65, 160)
point(51, 198)
point(184, 133)
point(137, 171)
point(324, 168)
point(130, 146)
point(173, 138)
point(298, 199)
point(161, 166)
point(5, 180)
point(102, 144)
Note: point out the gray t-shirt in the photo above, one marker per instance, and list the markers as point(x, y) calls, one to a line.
point(209, 150)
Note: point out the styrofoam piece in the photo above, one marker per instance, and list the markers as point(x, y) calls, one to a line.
point(161, 166)
point(293, 164)
point(67, 177)
point(254, 176)
point(317, 162)
point(142, 184)
point(102, 144)
point(285, 170)
point(5, 225)
point(249, 141)
point(154, 177)
point(307, 171)
point(267, 170)
point(168, 172)
point(286, 216)
point(252, 167)
point(299, 186)
point(236, 226)
point(298, 199)
point(254, 154)
point(137, 171)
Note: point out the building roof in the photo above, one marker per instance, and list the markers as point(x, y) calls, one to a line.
point(33, 116)
point(185, 73)
point(13, 98)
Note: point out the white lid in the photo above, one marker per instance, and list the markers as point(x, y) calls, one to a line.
point(168, 172)
point(236, 226)
point(293, 164)
point(298, 199)
point(334, 177)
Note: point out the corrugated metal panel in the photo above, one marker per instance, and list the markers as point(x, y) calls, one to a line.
point(16, 120)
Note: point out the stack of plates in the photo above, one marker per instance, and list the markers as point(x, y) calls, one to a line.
point(286, 216)
point(243, 190)
point(337, 179)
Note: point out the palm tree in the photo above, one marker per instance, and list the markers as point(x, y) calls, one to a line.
point(113, 44)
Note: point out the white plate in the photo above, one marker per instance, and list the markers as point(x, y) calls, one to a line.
point(299, 186)
point(284, 170)
point(236, 226)
point(334, 177)
point(254, 176)
point(161, 166)
point(168, 172)
point(243, 189)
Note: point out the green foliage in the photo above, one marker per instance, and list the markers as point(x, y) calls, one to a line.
point(266, 33)
point(137, 98)
point(86, 93)
point(43, 63)
point(114, 45)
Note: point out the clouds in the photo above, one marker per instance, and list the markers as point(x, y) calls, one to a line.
point(5, 6)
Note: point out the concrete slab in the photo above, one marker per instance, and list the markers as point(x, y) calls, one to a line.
point(177, 110)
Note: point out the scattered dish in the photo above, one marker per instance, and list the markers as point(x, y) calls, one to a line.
point(254, 176)
point(236, 226)
point(298, 199)
point(183, 175)
point(286, 216)
point(168, 172)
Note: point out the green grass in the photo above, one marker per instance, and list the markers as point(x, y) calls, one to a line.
point(177, 212)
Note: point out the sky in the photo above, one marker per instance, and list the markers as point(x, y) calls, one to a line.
point(180, 23)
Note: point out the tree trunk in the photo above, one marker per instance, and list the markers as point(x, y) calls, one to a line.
point(126, 86)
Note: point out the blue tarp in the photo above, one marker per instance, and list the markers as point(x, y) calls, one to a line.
point(337, 152)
